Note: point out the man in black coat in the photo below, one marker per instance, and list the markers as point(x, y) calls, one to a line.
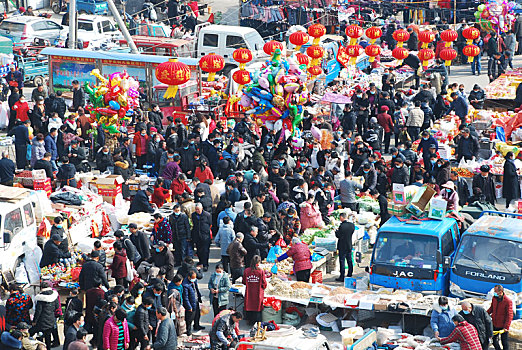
point(140, 203)
point(252, 245)
point(467, 146)
point(201, 225)
point(141, 322)
point(52, 253)
point(400, 173)
point(206, 201)
point(344, 245)
point(163, 259)
point(66, 173)
point(76, 155)
point(103, 159)
point(181, 235)
point(462, 188)
point(91, 271)
point(485, 183)
point(45, 164)
point(244, 221)
point(156, 117)
point(480, 319)
point(7, 170)
point(78, 96)
point(21, 134)
point(140, 241)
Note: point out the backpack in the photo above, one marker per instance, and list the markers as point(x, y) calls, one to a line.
point(130, 247)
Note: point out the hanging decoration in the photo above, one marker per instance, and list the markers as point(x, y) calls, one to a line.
point(354, 51)
point(211, 64)
point(354, 32)
point(401, 36)
point(316, 31)
point(271, 46)
point(448, 54)
point(471, 51)
point(299, 39)
point(426, 37)
point(241, 77)
point(303, 59)
point(470, 34)
point(425, 55)
point(449, 36)
point(400, 53)
point(113, 100)
point(315, 71)
point(242, 56)
point(316, 53)
point(173, 73)
point(372, 51)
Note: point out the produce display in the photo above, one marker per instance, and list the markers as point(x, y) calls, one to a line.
point(279, 288)
point(505, 86)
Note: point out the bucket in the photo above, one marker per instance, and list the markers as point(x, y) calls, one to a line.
point(269, 314)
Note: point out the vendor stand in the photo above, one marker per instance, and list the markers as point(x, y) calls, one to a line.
point(501, 93)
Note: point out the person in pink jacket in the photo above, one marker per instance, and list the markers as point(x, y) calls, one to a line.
point(116, 332)
point(300, 253)
point(310, 214)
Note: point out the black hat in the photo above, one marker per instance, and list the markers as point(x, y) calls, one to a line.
point(133, 225)
point(484, 168)
point(74, 142)
point(160, 244)
point(56, 237)
point(22, 325)
point(95, 254)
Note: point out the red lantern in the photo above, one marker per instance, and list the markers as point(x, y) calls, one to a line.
point(211, 64)
point(373, 33)
point(425, 55)
point(315, 70)
point(172, 73)
point(372, 51)
point(241, 77)
point(448, 55)
point(471, 51)
point(354, 32)
point(353, 51)
point(426, 37)
point(299, 39)
point(242, 56)
point(448, 36)
point(316, 31)
point(303, 59)
point(316, 53)
point(401, 35)
point(470, 34)
point(400, 53)
point(270, 47)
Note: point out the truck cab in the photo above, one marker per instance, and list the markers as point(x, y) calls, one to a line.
point(223, 40)
point(414, 255)
point(95, 31)
point(19, 214)
point(489, 253)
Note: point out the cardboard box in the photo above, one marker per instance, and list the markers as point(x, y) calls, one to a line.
point(437, 208)
point(39, 174)
point(43, 185)
point(420, 201)
point(109, 187)
point(396, 209)
point(398, 194)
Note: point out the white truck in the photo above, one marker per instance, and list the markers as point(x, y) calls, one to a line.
point(95, 32)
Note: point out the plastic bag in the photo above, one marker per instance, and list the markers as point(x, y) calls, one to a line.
point(205, 309)
point(273, 303)
point(75, 273)
point(21, 275)
point(273, 253)
point(274, 269)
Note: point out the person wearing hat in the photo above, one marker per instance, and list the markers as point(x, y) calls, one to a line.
point(450, 195)
point(92, 271)
point(386, 122)
point(476, 97)
point(161, 262)
point(44, 319)
point(223, 334)
point(11, 340)
point(427, 140)
point(21, 134)
point(510, 183)
point(485, 183)
point(103, 159)
point(367, 171)
point(76, 155)
point(467, 146)
point(52, 252)
point(140, 203)
point(66, 173)
point(28, 342)
point(464, 333)
point(166, 337)
point(187, 151)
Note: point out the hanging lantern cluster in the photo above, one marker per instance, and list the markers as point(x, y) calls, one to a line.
point(448, 54)
point(354, 32)
point(211, 64)
point(315, 51)
point(470, 49)
point(299, 39)
point(303, 59)
point(241, 56)
point(372, 50)
point(400, 53)
point(426, 54)
point(173, 73)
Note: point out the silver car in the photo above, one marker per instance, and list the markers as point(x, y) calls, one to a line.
point(25, 29)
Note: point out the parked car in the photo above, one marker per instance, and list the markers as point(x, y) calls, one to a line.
point(95, 31)
point(25, 29)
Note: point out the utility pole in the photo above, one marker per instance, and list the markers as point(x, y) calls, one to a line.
point(122, 26)
point(72, 24)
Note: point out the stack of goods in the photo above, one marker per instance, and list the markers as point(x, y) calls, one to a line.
point(505, 86)
point(25, 178)
point(66, 272)
point(293, 291)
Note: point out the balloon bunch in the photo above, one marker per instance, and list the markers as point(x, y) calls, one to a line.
point(495, 16)
point(113, 99)
point(276, 96)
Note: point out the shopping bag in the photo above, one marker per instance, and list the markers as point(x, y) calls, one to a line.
point(274, 269)
point(273, 253)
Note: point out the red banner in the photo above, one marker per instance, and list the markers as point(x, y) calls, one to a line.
point(342, 56)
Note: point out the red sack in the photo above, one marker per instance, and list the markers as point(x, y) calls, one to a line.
point(75, 273)
point(273, 303)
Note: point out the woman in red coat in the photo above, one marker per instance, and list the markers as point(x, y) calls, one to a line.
point(119, 264)
point(300, 253)
point(203, 172)
point(255, 281)
point(22, 108)
point(160, 194)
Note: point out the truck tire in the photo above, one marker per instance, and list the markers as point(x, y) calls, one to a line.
point(38, 80)
point(56, 7)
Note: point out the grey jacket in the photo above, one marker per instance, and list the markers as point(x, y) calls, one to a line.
point(415, 118)
point(224, 237)
point(347, 190)
point(166, 337)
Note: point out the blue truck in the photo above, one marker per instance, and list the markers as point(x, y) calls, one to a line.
point(414, 255)
point(489, 253)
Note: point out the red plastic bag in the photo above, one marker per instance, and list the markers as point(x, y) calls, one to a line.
point(273, 303)
point(75, 273)
point(281, 242)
